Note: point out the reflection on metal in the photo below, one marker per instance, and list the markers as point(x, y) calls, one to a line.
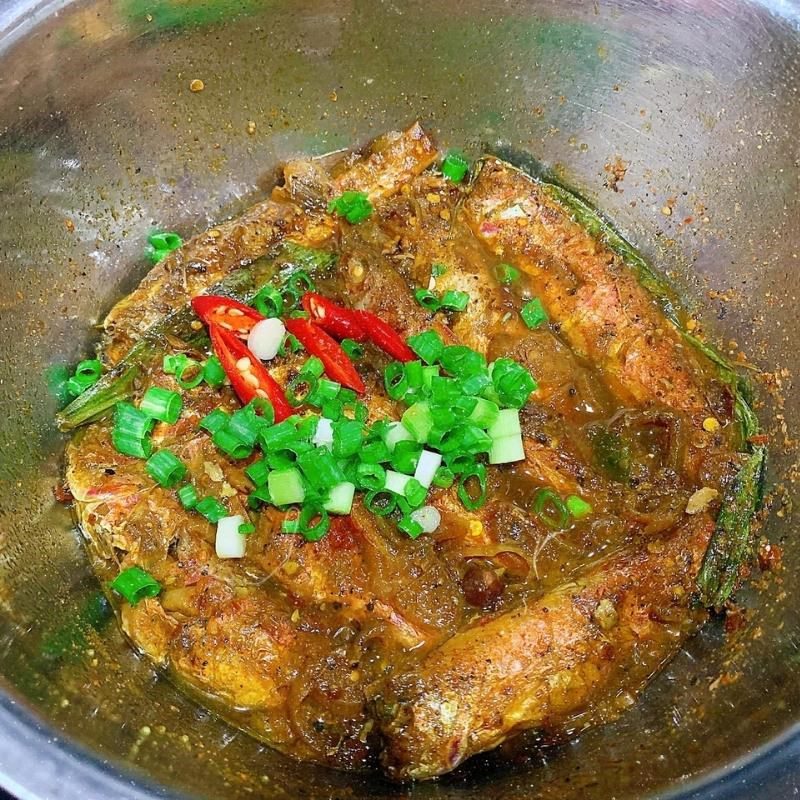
point(101, 139)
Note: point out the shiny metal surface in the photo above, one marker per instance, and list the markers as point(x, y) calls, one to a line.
point(102, 140)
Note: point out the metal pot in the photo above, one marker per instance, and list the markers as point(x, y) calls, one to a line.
point(678, 117)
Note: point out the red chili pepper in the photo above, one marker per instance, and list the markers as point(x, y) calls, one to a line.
point(336, 320)
point(337, 365)
point(231, 315)
point(384, 336)
point(248, 375)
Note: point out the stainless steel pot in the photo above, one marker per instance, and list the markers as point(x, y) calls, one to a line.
point(101, 140)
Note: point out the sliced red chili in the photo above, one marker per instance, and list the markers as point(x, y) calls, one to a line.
point(338, 321)
point(383, 335)
point(228, 314)
point(247, 374)
point(320, 344)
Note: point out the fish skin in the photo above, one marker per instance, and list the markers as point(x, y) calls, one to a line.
point(539, 664)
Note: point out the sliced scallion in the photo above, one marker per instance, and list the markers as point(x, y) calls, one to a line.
point(161, 404)
point(135, 584)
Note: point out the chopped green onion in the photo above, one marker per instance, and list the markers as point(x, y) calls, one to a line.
point(405, 456)
point(173, 362)
point(231, 444)
point(428, 345)
point(428, 300)
point(213, 373)
point(327, 389)
point(300, 388)
point(355, 207)
point(459, 463)
point(290, 344)
point(370, 476)
point(413, 370)
point(246, 528)
point(214, 420)
point(477, 383)
point(165, 468)
point(453, 300)
point(313, 366)
point(332, 409)
point(466, 494)
point(263, 410)
point(301, 524)
point(455, 166)
point(415, 493)
point(485, 413)
point(506, 424)
point(274, 437)
point(286, 487)
point(187, 495)
point(161, 404)
point(396, 432)
point(507, 449)
point(396, 482)
point(320, 469)
point(380, 502)
point(260, 496)
point(245, 424)
point(135, 584)
point(444, 390)
point(340, 498)
point(506, 274)
point(443, 478)
point(512, 382)
point(395, 380)
point(268, 302)
point(86, 374)
point(533, 313)
point(461, 361)
point(374, 452)
point(578, 507)
point(300, 282)
point(550, 509)
point(418, 420)
point(131, 430)
point(428, 374)
point(353, 349)
point(258, 472)
point(195, 374)
point(438, 269)
point(409, 526)
point(160, 245)
point(426, 466)
point(347, 437)
point(211, 509)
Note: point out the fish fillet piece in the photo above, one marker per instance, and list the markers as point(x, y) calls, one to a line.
point(543, 662)
point(602, 311)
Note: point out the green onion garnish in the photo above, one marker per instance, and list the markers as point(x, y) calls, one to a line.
point(428, 300)
point(135, 584)
point(380, 502)
point(405, 456)
point(268, 302)
point(189, 374)
point(437, 270)
point(533, 313)
point(301, 523)
point(453, 300)
point(466, 493)
point(550, 509)
point(213, 373)
point(173, 361)
point(409, 526)
point(340, 498)
point(260, 496)
point(370, 476)
point(443, 478)
point(347, 437)
point(506, 274)
point(415, 493)
point(165, 468)
point(161, 404)
point(286, 487)
point(512, 382)
point(313, 366)
point(245, 424)
point(427, 345)
point(320, 469)
point(188, 496)
point(485, 413)
point(290, 344)
point(231, 444)
point(300, 282)
point(246, 528)
point(353, 349)
point(355, 207)
point(461, 361)
point(211, 509)
point(214, 420)
point(86, 374)
point(418, 421)
point(258, 472)
point(455, 166)
point(395, 380)
point(131, 431)
point(578, 507)
point(160, 245)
